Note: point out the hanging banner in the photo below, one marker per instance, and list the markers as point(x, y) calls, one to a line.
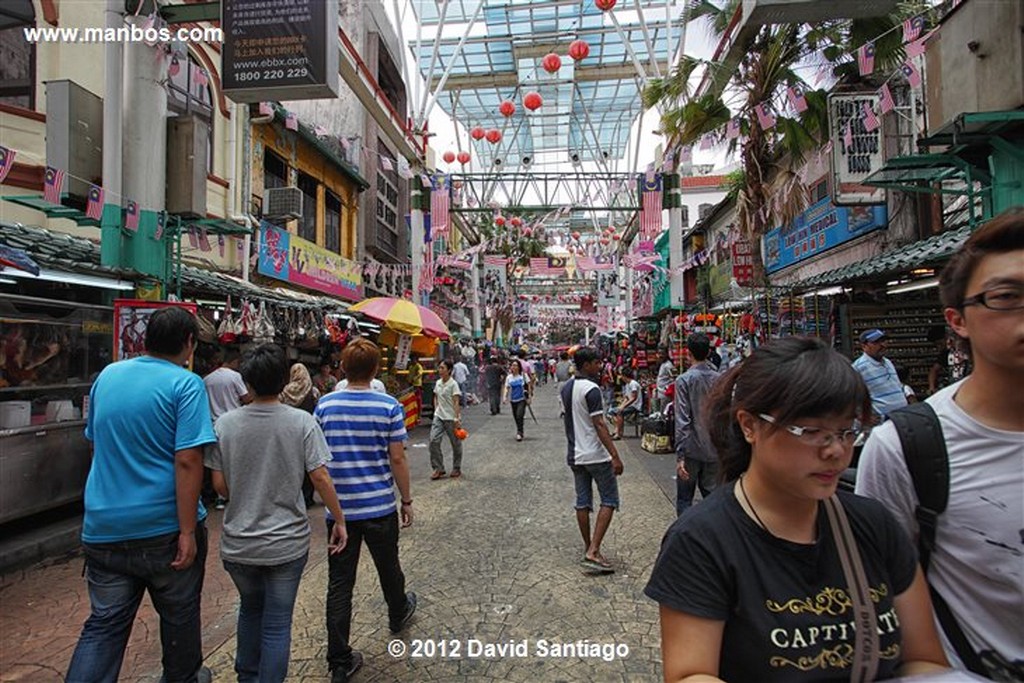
point(856, 152)
point(742, 263)
point(131, 316)
point(402, 351)
point(608, 287)
point(287, 257)
point(279, 50)
point(818, 229)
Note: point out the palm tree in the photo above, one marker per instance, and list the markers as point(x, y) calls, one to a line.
point(771, 192)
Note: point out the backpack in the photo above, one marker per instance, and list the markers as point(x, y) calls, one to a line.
point(924, 450)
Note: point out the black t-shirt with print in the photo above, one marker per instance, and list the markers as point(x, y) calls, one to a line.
point(786, 606)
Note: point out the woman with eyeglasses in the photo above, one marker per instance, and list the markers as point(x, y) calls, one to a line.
point(750, 582)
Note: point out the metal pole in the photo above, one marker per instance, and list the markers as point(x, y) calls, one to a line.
point(113, 80)
point(451, 63)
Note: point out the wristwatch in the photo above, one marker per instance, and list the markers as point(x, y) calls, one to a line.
point(406, 502)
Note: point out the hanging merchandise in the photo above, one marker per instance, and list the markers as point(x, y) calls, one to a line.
point(533, 101)
point(551, 63)
point(263, 328)
point(227, 330)
point(579, 50)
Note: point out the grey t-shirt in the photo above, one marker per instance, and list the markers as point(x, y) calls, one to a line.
point(264, 450)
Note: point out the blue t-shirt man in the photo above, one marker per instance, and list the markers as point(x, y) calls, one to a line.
point(141, 411)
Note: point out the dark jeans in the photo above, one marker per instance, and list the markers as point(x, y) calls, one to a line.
point(702, 474)
point(267, 595)
point(519, 413)
point(381, 536)
point(494, 396)
point(118, 574)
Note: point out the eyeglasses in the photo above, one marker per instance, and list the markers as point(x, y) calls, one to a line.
point(818, 438)
point(1004, 298)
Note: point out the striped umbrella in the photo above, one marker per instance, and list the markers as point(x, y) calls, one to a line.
point(402, 316)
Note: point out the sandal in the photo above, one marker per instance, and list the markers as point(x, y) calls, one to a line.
point(439, 474)
point(599, 565)
point(456, 474)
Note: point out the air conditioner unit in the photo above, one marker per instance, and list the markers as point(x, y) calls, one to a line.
point(282, 202)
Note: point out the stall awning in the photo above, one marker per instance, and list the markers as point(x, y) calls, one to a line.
point(927, 173)
point(978, 126)
point(923, 253)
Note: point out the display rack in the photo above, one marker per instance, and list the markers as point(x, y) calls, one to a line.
point(906, 325)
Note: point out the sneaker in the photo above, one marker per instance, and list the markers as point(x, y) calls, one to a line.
point(220, 503)
point(397, 625)
point(343, 673)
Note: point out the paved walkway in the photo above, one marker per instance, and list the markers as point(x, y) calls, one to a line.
point(493, 557)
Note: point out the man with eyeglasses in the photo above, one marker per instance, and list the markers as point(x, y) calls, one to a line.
point(879, 374)
point(975, 566)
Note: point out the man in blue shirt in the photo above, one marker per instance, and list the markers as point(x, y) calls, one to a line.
point(149, 419)
point(879, 374)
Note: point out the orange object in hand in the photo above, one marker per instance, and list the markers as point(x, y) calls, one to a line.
point(461, 434)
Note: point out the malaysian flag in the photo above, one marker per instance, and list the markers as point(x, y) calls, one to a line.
point(650, 211)
point(463, 260)
point(732, 129)
point(585, 263)
point(912, 28)
point(6, 162)
point(765, 118)
point(220, 245)
point(797, 99)
point(427, 271)
point(386, 164)
point(175, 66)
point(403, 168)
point(706, 142)
point(161, 223)
point(866, 59)
point(291, 121)
point(644, 262)
point(193, 238)
point(915, 48)
point(912, 74)
point(886, 104)
point(94, 203)
point(53, 183)
point(604, 262)
point(131, 219)
point(871, 122)
point(204, 240)
point(848, 136)
point(547, 265)
point(439, 203)
point(686, 155)
point(495, 260)
point(199, 76)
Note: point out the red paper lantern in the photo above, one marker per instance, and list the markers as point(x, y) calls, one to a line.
point(616, 237)
point(516, 221)
point(527, 232)
point(448, 157)
point(507, 108)
point(477, 133)
point(463, 158)
point(551, 63)
point(579, 49)
point(499, 221)
point(494, 136)
point(576, 235)
point(604, 241)
point(605, 5)
point(532, 101)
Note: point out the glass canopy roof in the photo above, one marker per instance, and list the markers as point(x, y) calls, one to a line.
point(588, 106)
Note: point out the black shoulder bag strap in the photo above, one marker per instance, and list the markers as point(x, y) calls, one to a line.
point(924, 450)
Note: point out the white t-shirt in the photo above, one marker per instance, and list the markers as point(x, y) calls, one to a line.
point(226, 389)
point(584, 397)
point(977, 566)
point(445, 394)
point(460, 373)
point(375, 385)
point(632, 389)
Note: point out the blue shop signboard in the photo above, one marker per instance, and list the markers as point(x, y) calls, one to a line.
point(821, 227)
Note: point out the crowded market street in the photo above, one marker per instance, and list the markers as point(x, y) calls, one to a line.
point(493, 557)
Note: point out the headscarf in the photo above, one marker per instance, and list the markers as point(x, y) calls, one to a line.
point(298, 387)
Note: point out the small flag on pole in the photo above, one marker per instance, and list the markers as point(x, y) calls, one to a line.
point(291, 121)
point(912, 74)
point(912, 28)
point(797, 99)
point(131, 219)
point(765, 118)
point(94, 203)
point(732, 129)
point(53, 183)
point(161, 223)
point(6, 162)
point(866, 59)
point(848, 136)
point(885, 103)
point(871, 122)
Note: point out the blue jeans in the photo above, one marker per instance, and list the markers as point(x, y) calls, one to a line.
point(118, 574)
point(265, 617)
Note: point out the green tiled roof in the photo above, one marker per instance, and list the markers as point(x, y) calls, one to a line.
point(923, 253)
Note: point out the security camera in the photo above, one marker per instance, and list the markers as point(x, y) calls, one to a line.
point(527, 160)
point(574, 158)
point(497, 162)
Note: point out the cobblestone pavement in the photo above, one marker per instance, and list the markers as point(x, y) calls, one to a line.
point(493, 558)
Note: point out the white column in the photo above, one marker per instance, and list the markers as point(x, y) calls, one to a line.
point(675, 244)
point(474, 292)
point(110, 234)
point(144, 153)
point(417, 230)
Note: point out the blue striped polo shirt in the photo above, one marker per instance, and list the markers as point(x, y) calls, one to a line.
point(359, 425)
point(883, 384)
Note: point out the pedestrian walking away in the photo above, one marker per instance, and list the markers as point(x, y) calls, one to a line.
point(696, 460)
point(592, 457)
point(447, 418)
point(227, 392)
point(517, 391)
point(494, 377)
point(975, 576)
point(365, 432)
point(748, 581)
point(460, 373)
point(261, 457)
point(143, 530)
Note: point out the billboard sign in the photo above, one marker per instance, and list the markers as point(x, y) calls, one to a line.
point(284, 256)
point(279, 50)
point(856, 152)
point(818, 229)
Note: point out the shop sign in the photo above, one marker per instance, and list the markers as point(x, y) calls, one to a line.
point(284, 256)
point(279, 50)
point(131, 317)
point(402, 351)
point(865, 153)
point(818, 229)
point(742, 263)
